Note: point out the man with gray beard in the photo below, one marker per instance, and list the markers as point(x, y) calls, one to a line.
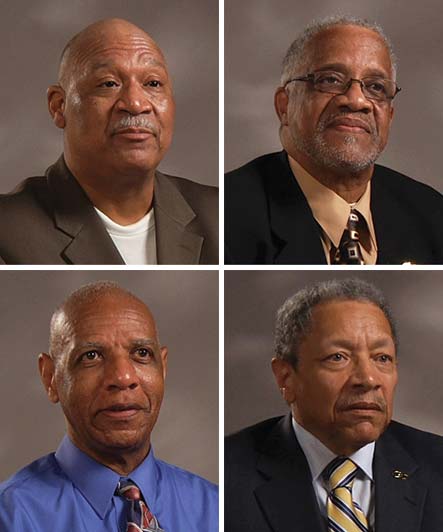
point(323, 200)
point(104, 201)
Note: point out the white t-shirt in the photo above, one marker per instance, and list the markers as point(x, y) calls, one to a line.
point(135, 242)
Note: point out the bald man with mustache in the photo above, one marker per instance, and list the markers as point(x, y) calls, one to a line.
point(104, 201)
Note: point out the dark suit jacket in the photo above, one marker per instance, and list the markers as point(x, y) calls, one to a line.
point(268, 484)
point(269, 221)
point(50, 220)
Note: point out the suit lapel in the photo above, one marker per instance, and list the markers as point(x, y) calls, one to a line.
point(398, 501)
point(176, 244)
point(287, 498)
point(292, 223)
point(87, 241)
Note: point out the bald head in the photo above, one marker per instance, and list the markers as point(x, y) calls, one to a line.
point(94, 36)
point(92, 297)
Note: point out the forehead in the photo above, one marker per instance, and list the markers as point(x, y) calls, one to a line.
point(110, 317)
point(353, 47)
point(107, 49)
point(349, 319)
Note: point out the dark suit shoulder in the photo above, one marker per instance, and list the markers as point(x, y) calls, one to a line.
point(411, 190)
point(195, 193)
point(18, 206)
point(415, 438)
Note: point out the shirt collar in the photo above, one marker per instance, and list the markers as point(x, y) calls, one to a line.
point(319, 456)
point(329, 209)
point(97, 482)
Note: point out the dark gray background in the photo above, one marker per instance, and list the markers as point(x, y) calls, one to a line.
point(251, 301)
point(257, 35)
point(32, 36)
point(185, 305)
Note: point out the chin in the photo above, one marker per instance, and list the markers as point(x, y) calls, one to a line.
point(124, 440)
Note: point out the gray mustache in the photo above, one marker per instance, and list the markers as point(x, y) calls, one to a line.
point(140, 121)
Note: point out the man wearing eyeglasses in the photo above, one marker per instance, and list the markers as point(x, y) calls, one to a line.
point(323, 200)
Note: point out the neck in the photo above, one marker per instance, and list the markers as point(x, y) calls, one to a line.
point(123, 198)
point(122, 461)
point(348, 185)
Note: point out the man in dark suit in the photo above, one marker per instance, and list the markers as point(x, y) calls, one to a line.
point(336, 366)
point(104, 202)
point(323, 200)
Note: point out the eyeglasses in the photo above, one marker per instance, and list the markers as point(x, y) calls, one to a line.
point(373, 87)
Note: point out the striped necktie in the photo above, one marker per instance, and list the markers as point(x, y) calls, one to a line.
point(138, 516)
point(344, 514)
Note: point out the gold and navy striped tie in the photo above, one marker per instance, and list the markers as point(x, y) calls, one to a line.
point(344, 514)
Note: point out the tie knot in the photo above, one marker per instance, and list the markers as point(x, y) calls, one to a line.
point(128, 489)
point(340, 473)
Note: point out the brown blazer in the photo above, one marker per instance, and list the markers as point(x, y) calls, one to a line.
point(50, 220)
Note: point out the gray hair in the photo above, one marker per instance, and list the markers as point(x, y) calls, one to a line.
point(293, 321)
point(297, 51)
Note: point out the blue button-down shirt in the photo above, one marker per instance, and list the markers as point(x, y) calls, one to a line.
point(70, 492)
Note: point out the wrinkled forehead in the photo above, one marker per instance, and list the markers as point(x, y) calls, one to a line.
point(108, 48)
point(106, 315)
point(350, 46)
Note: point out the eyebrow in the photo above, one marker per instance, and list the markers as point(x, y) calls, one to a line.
point(340, 67)
point(109, 65)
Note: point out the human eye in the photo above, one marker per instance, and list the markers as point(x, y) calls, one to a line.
point(154, 83)
point(143, 353)
point(108, 84)
point(328, 79)
point(375, 85)
point(89, 357)
point(336, 359)
point(385, 359)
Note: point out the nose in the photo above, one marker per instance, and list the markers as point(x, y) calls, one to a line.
point(364, 374)
point(134, 99)
point(353, 98)
point(120, 373)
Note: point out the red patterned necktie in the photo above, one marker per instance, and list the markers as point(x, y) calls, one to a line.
point(139, 517)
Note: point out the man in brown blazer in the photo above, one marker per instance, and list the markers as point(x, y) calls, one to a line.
point(103, 201)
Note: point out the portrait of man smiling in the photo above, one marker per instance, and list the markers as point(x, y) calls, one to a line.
point(325, 198)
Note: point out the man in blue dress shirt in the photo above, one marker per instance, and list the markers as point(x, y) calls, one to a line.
point(106, 368)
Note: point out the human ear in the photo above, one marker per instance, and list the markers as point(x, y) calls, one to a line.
point(281, 100)
point(164, 359)
point(56, 105)
point(47, 375)
point(283, 373)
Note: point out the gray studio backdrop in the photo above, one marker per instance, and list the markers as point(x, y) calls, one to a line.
point(257, 34)
point(185, 305)
point(251, 301)
point(32, 36)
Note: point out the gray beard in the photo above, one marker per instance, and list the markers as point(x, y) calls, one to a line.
point(348, 157)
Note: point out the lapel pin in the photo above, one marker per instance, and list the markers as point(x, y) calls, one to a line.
point(399, 475)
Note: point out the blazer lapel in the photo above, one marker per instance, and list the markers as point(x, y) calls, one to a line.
point(176, 244)
point(87, 241)
point(287, 497)
point(399, 494)
point(291, 219)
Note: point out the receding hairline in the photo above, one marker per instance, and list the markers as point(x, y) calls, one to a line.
point(95, 31)
point(84, 296)
point(297, 49)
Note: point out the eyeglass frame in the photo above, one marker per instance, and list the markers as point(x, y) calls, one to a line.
point(310, 79)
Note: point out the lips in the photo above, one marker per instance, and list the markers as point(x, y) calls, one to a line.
point(121, 410)
point(364, 405)
point(135, 132)
point(351, 124)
